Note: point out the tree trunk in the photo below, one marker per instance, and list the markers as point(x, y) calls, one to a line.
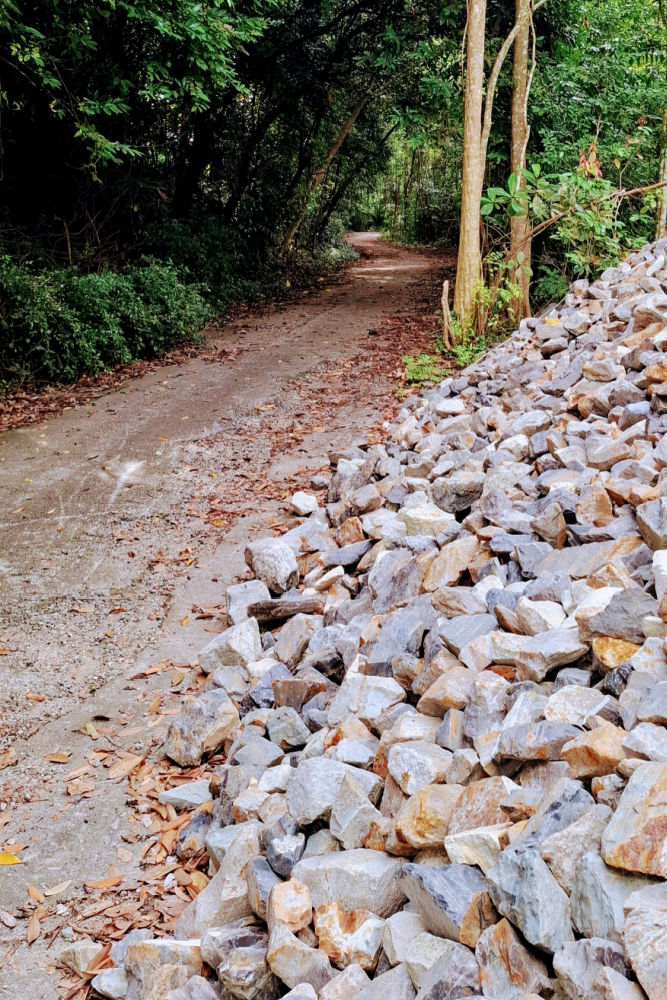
point(319, 175)
point(661, 221)
point(469, 265)
point(519, 225)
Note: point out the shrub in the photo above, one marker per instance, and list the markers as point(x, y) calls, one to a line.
point(56, 325)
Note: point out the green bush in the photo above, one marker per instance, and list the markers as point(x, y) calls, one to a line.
point(225, 267)
point(56, 325)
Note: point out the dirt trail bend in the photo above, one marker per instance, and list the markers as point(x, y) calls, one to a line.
point(121, 523)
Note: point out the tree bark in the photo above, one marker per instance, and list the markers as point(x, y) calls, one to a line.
point(519, 225)
point(469, 264)
point(661, 221)
point(319, 175)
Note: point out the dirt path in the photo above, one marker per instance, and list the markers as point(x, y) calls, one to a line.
point(122, 522)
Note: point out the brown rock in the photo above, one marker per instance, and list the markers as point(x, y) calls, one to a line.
point(611, 653)
point(349, 937)
point(452, 690)
point(595, 507)
point(290, 904)
point(636, 837)
point(424, 819)
point(480, 804)
point(506, 965)
point(449, 566)
point(596, 752)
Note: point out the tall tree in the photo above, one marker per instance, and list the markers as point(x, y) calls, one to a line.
point(469, 264)
point(519, 224)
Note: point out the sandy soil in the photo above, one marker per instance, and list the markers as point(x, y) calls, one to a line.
point(123, 521)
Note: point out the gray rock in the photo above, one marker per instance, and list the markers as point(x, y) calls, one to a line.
point(451, 900)
point(201, 728)
point(285, 728)
point(241, 595)
point(274, 563)
point(455, 975)
point(598, 896)
point(548, 650)
point(395, 984)
point(458, 491)
point(524, 890)
point(237, 952)
point(240, 644)
point(645, 938)
point(357, 879)
point(188, 795)
point(578, 963)
point(652, 522)
point(260, 878)
point(313, 788)
point(282, 853)
point(622, 617)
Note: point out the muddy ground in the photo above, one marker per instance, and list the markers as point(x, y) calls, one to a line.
point(121, 524)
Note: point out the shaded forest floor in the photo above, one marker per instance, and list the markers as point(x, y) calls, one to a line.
point(123, 520)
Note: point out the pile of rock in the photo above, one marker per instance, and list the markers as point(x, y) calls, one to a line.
point(446, 772)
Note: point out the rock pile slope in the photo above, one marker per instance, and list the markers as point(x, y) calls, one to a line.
point(446, 770)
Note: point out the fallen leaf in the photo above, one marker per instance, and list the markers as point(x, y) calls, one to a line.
point(35, 894)
point(114, 878)
point(127, 857)
point(9, 859)
point(117, 611)
point(124, 767)
point(56, 889)
point(184, 621)
point(91, 731)
point(33, 929)
point(58, 757)
point(177, 677)
point(83, 609)
point(35, 697)
point(81, 786)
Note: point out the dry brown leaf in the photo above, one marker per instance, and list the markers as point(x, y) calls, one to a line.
point(33, 929)
point(177, 677)
point(8, 758)
point(199, 881)
point(127, 857)
point(35, 697)
point(83, 609)
point(56, 889)
point(184, 621)
point(58, 758)
point(123, 767)
point(78, 771)
point(100, 959)
point(35, 894)
point(114, 878)
point(155, 704)
point(81, 786)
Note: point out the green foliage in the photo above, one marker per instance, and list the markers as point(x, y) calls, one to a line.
point(467, 352)
point(57, 325)
point(551, 285)
point(422, 369)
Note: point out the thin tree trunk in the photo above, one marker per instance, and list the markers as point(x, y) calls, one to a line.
point(469, 265)
point(661, 221)
point(519, 225)
point(319, 175)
